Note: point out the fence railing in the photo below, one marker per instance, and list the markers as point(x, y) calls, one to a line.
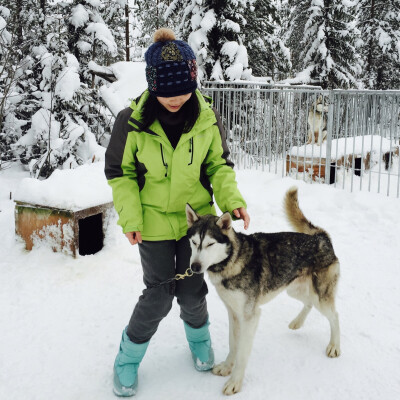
point(348, 138)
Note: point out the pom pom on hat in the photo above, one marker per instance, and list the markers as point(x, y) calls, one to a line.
point(171, 68)
point(164, 35)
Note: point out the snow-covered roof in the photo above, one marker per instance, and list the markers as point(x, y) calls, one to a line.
point(68, 189)
point(344, 146)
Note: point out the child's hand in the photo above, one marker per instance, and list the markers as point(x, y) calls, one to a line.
point(242, 214)
point(134, 237)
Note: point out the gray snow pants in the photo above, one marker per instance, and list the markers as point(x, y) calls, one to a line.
point(161, 260)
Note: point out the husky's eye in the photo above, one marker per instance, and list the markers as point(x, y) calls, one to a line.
point(210, 244)
point(194, 243)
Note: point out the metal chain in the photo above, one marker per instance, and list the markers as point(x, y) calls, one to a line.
point(188, 273)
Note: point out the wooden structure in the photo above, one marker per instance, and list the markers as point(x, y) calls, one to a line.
point(316, 166)
point(72, 232)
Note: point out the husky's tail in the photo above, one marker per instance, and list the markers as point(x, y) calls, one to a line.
point(296, 217)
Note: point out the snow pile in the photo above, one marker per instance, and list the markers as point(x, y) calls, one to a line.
point(68, 81)
point(359, 145)
point(74, 189)
point(131, 82)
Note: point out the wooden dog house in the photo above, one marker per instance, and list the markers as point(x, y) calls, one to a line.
point(68, 231)
point(66, 212)
point(311, 159)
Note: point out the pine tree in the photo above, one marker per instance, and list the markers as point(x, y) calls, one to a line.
point(267, 52)
point(379, 23)
point(294, 18)
point(150, 15)
point(59, 115)
point(16, 73)
point(89, 36)
point(215, 31)
point(328, 56)
point(113, 14)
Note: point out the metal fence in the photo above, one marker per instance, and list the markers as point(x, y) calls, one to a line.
point(347, 138)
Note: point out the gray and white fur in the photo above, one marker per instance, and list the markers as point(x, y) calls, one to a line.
point(250, 270)
point(317, 121)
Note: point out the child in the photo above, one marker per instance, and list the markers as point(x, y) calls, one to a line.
point(167, 149)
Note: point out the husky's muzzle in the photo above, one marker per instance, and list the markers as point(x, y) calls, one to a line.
point(196, 267)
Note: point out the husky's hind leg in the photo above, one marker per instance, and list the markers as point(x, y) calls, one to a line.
point(225, 368)
point(300, 290)
point(325, 283)
point(333, 348)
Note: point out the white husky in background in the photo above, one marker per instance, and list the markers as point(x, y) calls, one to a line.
point(317, 121)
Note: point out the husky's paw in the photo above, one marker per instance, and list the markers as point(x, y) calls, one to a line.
point(333, 350)
point(222, 369)
point(232, 386)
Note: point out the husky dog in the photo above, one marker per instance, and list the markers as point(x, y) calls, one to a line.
point(317, 121)
point(250, 270)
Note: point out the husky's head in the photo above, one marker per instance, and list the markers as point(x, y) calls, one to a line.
point(321, 104)
point(209, 239)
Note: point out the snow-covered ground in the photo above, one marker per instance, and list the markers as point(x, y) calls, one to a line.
point(61, 318)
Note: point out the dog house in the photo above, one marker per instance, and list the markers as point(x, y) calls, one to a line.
point(67, 212)
point(68, 231)
point(354, 154)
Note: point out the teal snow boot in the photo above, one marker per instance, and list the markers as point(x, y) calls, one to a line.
point(200, 346)
point(126, 366)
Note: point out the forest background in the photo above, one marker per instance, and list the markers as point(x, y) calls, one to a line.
point(56, 55)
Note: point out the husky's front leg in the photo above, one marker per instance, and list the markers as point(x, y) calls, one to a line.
point(247, 327)
point(225, 368)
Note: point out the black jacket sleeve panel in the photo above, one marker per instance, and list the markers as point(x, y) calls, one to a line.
point(116, 147)
point(222, 132)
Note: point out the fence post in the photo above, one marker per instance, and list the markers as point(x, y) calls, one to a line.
point(329, 137)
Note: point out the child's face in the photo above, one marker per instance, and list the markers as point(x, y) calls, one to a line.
point(174, 104)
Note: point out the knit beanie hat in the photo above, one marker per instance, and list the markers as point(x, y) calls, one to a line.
point(171, 68)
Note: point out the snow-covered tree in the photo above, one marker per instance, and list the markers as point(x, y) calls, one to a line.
point(215, 29)
point(150, 17)
point(89, 37)
point(55, 116)
point(114, 16)
point(267, 52)
point(328, 53)
point(16, 19)
point(379, 23)
point(294, 16)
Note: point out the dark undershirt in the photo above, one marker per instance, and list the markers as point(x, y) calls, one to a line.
point(172, 124)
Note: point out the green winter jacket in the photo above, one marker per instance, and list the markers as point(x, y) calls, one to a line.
point(152, 182)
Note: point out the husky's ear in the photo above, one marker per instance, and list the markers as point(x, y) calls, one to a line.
point(225, 221)
point(191, 215)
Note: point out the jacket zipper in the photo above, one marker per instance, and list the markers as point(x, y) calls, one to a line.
point(164, 163)
point(191, 151)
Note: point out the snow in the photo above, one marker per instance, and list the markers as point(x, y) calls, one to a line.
point(80, 16)
point(102, 33)
point(61, 318)
point(130, 84)
point(301, 77)
point(345, 146)
point(209, 20)
point(68, 81)
point(69, 189)
point(3, 23)
point(230, 49)
point(93, 66)
point(384, 39)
